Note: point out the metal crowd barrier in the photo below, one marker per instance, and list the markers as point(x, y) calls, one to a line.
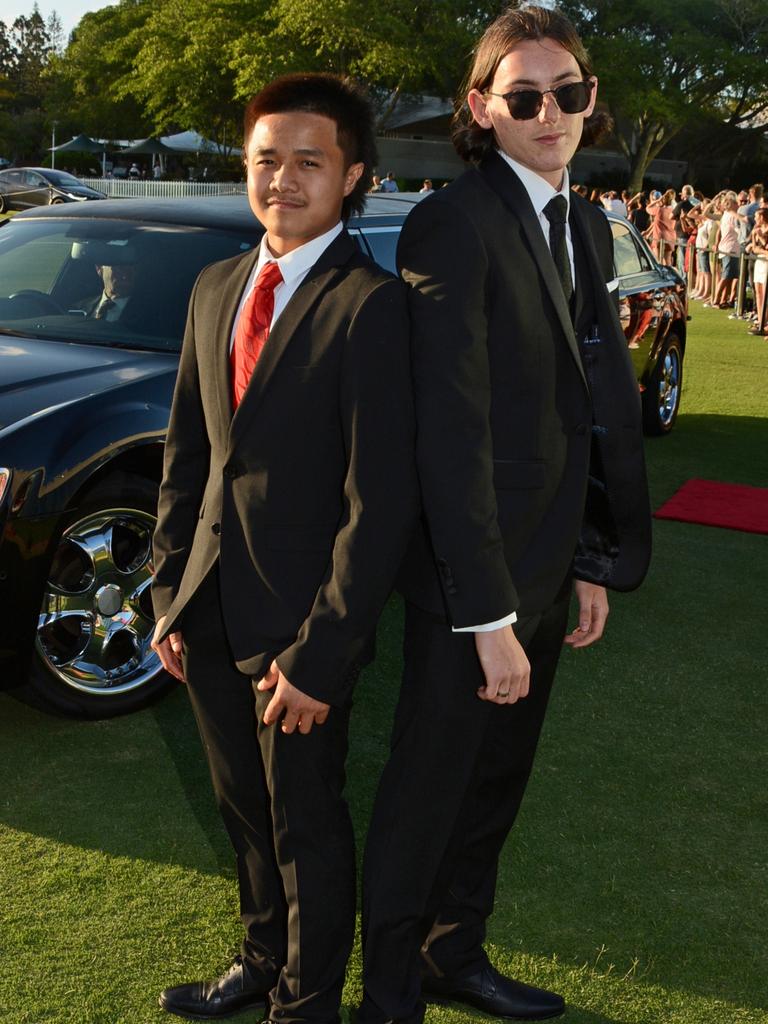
point(138, 187)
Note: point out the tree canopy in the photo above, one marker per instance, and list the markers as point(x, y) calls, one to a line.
point(662, 67)
point(143, 67)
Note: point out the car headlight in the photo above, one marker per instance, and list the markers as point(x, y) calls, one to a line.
point(5, 476)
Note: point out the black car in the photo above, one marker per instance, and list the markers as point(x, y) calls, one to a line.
point(653, 309)
point(84, 406)
point(25, 187)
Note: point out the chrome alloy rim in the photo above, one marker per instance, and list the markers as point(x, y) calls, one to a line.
point(96, 621)
point(669, 386)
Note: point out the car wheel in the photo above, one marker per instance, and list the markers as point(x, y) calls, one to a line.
point(57, 201)
point(661, 398)
point(92, 654)
point(2, 203)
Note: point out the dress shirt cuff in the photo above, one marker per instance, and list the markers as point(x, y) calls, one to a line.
point(487, 627)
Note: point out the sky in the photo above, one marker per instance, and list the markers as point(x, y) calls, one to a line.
point(70, 11)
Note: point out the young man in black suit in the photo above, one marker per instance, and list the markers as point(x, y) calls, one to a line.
point(287, 499)
point(530, 457)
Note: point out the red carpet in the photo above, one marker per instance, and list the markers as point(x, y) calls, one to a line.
point(732, 506)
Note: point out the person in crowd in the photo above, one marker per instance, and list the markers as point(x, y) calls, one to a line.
point(375, 184)
point(662, 225)
point(288, 495)
point(758, 246)
point(426, 187)
point(596, 197)
point(682, 224)
point(581, 190)
point(637, 212)
point(704, 227)
point(389, 184)
point(724, 209)
point(755, 195)
point(524, 392)
point(134, 171)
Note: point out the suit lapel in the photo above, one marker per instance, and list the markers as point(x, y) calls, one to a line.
point(511, 190)
point(604, 309)
point(225, 321)
point(309, 291)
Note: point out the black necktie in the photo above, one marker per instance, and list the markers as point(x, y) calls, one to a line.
point(556, 212)
point(103, 308)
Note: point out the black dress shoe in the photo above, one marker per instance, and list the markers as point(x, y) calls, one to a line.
point(210, 1000)
point(491, 992)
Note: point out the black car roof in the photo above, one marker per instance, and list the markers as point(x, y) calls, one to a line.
point(223, 212)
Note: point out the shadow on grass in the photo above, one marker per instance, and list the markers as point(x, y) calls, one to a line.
point(731, 449)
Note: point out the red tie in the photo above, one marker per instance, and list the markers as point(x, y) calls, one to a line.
point(252, 329)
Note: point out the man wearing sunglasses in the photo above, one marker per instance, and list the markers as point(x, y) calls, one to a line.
point(533, 486)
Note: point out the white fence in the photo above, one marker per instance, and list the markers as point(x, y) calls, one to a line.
point(126, 187)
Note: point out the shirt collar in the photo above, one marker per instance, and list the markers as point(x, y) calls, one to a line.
point(539, 191)
point(296, 263)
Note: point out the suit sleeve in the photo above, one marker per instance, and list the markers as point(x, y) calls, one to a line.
point(444, 261)
point(379, 500)
point(185, 471)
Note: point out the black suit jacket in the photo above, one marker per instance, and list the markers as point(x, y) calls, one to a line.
point(306, 495)
point(530, 447)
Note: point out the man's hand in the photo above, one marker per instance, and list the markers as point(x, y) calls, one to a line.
point(505, 666)
point(300, 709)
point(169, 651)
point(593, 611)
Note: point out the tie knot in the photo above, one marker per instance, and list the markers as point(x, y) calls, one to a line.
point(269, 277)
point(556, 210)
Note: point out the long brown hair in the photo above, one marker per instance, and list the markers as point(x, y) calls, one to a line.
point(512, 27)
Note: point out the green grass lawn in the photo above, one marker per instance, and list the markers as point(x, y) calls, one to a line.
point(635, 882)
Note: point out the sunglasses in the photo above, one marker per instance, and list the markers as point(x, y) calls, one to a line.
point(525, 104)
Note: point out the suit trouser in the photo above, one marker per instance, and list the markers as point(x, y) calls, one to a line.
point(448, 797)
point(281, 800)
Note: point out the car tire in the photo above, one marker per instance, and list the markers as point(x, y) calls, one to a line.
point(57, 201)
point(92, 656)
point(661, 398)
point(2, 204)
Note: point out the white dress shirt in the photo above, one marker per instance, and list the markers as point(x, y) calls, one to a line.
point(539, 192)
point(294, 267)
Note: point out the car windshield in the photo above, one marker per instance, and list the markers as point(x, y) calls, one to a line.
point(62, 178)
point(56, 275)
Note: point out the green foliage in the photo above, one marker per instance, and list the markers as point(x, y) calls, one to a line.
point(85, 91)
point(663, 66)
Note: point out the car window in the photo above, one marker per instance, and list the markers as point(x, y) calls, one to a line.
point(383, 243)
point(628, 257)
point(50, 287)
point(34, 180)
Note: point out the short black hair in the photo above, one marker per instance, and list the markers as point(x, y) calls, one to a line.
point(332, 96)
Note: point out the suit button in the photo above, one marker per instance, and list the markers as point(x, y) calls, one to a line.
point(580, 430)
point(232, 470)
point(216, 528)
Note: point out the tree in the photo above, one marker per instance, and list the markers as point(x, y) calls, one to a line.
point(665, 66)
point(85, 91)
point(403, 45)
point(182, 72)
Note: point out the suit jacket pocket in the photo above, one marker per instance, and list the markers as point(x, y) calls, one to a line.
point(300, 538)
point(523, 474)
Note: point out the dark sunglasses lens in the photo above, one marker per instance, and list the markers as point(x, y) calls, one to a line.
point(573, 98)
point(525, 104)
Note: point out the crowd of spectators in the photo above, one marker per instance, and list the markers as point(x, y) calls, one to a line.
point(705, 238)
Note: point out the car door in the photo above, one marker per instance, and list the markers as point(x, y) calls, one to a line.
point(642, 293)
point(37, 189)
